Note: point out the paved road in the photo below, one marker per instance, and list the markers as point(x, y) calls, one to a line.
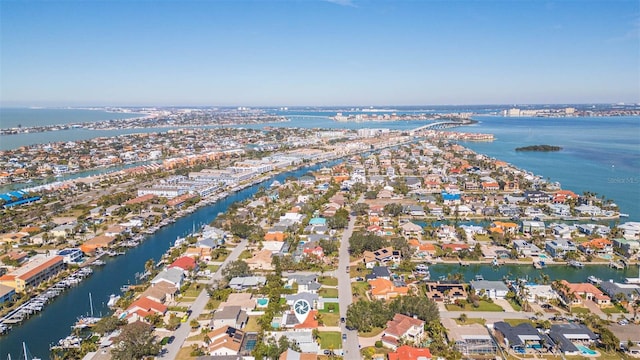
point(198, 306)
point(350, 346)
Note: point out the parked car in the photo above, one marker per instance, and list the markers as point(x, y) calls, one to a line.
point(344, 336)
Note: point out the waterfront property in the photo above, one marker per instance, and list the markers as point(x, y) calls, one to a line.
point(521, 338)
point(572, 338)
point(33, 273)
point(472, 339)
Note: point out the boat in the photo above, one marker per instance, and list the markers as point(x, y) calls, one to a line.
point(113, 299)
point(576, 264)
point(86, 321)
point(495, 262)
point(624, 215)
point(98, 263)
point(26, 353)
point(479, 277)
point(594, 280)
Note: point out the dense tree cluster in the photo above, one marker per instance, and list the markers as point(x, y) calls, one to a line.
point(365, 315)
point(360, 242)
point(235, 269)
point(136, 341)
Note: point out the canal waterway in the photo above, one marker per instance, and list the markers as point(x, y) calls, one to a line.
point(55, 321)
point(512, 271)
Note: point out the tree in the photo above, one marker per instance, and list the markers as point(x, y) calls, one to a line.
point(236, 269)
point(393, 209)
point(463, 318)
point(340, 220)
point(106, 325)
point(360, 208)
point(135, 342)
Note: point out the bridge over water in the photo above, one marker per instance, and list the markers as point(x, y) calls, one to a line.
point(443, 125)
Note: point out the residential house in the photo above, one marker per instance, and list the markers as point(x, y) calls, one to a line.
point(381, 256)
point(246, 301)
point(225, 341)
point(493, 289)
point(526, 249)
point(621, 292)
point(582, 291)
point(384, 289)
point(247, 282)
point(470, 340)
point(186, 264)
point(558, 248)
point(598, 247)
point(588, 210)
point(533, 227)
point(406, 352)
point(627, 247)
point(403, 327)
point(567, 336)
point(447, 292)
point(411, 229)
point(379, 272)
point(260, 260)
point(521, 337)
point(143, 307)
point(232, 316)
point(172, 276)
point(290, 354)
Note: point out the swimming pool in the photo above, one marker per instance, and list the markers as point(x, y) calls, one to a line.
point(606, 256)
point(262, 302)
point(586, 351)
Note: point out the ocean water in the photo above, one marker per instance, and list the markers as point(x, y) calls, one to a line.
point(600, 154)
point(27, 117)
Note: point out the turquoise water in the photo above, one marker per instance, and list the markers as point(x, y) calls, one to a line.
point(262, 301)
point(585, 350)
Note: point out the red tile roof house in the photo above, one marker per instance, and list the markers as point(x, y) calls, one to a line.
point(584, 291)
point(405, 327)
point(144, 307)
point(406, 352)
point(185, 263)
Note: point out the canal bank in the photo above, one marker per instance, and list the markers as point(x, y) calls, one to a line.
point(55, 322)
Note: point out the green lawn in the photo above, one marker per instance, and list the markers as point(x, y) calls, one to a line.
point(374, 332)
point(617, 309)
point(579, 310)
point(331, 340)
point(516, 322)
point(471, 321)
point(360, 289)
point(330, 306)
point(330, 319)
point(252, 324)
point(246, 254)
point(328, 293)
point(484, 306)
point(328, 281)
point(514, 304)
point(213, 268)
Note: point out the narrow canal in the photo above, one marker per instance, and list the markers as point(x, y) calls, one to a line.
point(55, 321)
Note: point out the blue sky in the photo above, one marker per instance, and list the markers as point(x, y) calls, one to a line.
point(287, 53)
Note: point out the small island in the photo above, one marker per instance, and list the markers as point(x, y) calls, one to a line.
point(539, 148)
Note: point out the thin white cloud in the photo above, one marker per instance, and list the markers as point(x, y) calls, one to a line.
point(349, 3)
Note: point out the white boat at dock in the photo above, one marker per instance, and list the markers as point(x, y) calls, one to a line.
point(113, 299)
point(593, 280)
point(575, 264)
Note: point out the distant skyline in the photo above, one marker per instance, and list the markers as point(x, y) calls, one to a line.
point(318, 53)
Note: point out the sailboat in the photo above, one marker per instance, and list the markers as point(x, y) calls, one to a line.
point(26, 356)
point(86, 321)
